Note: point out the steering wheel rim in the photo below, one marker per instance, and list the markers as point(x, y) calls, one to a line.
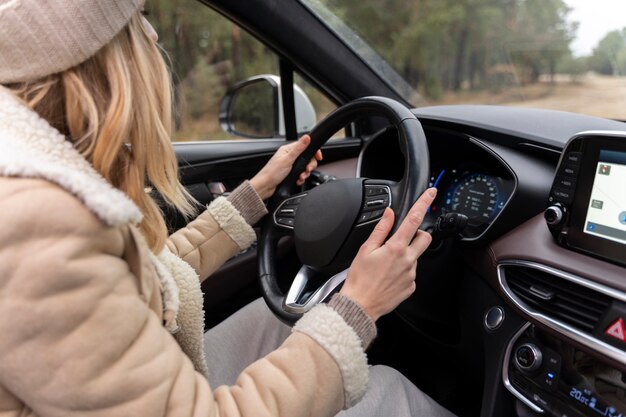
point(415, 180)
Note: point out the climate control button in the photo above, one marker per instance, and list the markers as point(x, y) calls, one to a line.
point(528, 357)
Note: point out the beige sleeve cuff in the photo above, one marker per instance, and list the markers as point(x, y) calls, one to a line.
point(245, 199)
point(354, 315)
point(328, 328)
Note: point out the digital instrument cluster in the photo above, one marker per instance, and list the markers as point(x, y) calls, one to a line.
point(471, 191)
point(473, 181)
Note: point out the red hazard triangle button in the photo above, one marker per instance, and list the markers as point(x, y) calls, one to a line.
point(617, 330)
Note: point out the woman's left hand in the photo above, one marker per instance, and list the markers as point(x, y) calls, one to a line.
point(279, 166)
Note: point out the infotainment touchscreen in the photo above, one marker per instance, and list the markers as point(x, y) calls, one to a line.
point(587, 210)
point(606, 210)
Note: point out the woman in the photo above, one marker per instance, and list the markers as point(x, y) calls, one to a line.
point(100, 311)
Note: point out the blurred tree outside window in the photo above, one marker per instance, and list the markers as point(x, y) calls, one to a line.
point(208, 55)
point(502, 52)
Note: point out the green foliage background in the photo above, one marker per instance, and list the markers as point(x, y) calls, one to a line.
point(447, 45)
point(437, 46)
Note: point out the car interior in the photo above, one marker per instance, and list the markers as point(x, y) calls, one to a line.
point(521, 298)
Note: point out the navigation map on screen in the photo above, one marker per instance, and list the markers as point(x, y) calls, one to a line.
point(606, 213)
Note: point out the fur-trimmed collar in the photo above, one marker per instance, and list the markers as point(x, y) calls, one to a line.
point(30, 147)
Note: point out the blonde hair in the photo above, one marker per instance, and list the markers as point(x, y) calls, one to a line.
point(116, 108)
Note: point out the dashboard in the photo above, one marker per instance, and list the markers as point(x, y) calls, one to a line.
point(560, 282)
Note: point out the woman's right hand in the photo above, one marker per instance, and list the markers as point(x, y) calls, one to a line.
point(382, 274)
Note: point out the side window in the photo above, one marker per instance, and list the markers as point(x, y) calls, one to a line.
point(322, 104)
point(209, 56)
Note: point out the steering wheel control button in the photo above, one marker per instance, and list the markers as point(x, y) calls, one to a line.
point(494, 318)
point(285, 214)
point(371, 190)
point(376, 202)
point(377, 213)
point(285, 221)
point(365, 217)
point(377, 198)
point(296, 200)
point(528, 357)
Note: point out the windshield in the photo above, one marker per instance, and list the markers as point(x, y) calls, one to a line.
point(565, 55)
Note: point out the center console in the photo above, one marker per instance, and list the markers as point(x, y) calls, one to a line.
point(571, 362)
point(553, 378)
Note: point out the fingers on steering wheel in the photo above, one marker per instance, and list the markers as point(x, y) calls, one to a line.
point(309, 168)
point(294, 149)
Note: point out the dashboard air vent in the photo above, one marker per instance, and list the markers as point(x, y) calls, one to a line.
point(578, 306)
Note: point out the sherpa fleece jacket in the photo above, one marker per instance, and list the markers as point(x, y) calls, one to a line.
point(83, 301)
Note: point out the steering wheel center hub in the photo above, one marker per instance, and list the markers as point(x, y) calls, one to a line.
point(325, 219)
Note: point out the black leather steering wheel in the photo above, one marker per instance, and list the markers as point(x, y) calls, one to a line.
point(331, 221)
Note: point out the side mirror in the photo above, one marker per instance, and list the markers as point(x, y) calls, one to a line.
point(254, 108)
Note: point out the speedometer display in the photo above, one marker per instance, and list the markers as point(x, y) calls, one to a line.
point(471, 190)
point(475, 195)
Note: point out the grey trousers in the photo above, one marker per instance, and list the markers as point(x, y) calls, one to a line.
point(254, 331)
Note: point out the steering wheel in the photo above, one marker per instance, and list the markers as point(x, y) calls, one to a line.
point(330, 222)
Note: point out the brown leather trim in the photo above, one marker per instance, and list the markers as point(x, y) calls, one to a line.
point(341, 169)
point(532, 241)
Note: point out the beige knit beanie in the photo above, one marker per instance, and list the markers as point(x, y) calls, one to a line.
point(42, 37)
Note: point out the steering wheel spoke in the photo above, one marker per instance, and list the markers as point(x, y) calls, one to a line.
point(310, 288)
